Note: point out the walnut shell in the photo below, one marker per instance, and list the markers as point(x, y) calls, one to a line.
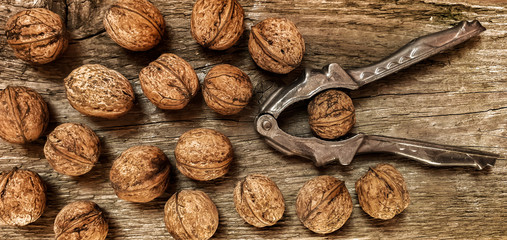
point(169, 82)
point(227, 89)
point(276, 45)
point(136, 25)
point(23, 114)
point(79, 221)
point(331, 114)
point(323, 204)
point(258, 200)
point(97, 91)
point(217, 24)
point(190, 214)
point(36, 35)
point(203, 154)
point(140, 174)
point(382, 192)
point(72, 149)
point(22, 198)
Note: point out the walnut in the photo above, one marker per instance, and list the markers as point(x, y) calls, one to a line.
point(331, 114)
point(190, 214)
point(259, 201)
point(140, 174)
point(276, 45)
point(203, 154)
point(323, 204)
point(23, 114)
point(227, 89)
point(22, 198)
point(36, 35)
point(95, 90)
point(382, 192)
point(72, 149)
point(80, 220)
point(169, 82)
point(136, 25)
point(217, 24)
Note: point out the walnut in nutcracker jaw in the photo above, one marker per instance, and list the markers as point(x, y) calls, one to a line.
point(331, 114)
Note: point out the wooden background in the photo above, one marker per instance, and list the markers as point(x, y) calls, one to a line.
point(458, 97)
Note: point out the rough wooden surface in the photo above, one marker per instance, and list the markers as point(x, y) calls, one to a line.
point(458, 97)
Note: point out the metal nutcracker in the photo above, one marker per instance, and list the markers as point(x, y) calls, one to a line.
point(314, 81)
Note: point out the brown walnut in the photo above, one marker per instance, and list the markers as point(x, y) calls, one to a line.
point(79, 221)
point(331, 114)
point(190, 214)
point(323, 204)
point(169, 82)
point(140, 174)
point(382, 192)
point(23, 114)
point(72, 149)
point(136, 25)
point(97, 91)
point(258, 200)
point(22, 197)
point(227, 89)
point(203, 154)
point(217, 24)
point(36, 35)
point(276, 45)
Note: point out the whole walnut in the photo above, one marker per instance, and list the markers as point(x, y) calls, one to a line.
point(227, 89)
point(36, 35)
point(140, 174)
point(259, 201)
point(23, 114)
point(22, 198)
point(203, 154)
point(72, 149)
point(276, 45)
point(169, 82)
point(190, 214)
point(136, 25)
point(79, 221)
point(323, 204)
point(382, 192)
point(217, 24)
point(331, 114)
point(97, 91)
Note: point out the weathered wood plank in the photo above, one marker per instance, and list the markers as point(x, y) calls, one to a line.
point(458, 97)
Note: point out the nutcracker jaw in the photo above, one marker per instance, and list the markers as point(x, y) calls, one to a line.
point(333, 76)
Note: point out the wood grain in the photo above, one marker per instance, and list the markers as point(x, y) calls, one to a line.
point(458, 97)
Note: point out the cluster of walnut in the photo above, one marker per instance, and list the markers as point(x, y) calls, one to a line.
point(142, 173)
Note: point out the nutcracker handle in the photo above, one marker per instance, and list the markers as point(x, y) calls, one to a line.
point(416, 51)
point(428, 153)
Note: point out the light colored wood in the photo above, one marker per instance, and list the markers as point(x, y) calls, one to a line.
point(458, 97)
